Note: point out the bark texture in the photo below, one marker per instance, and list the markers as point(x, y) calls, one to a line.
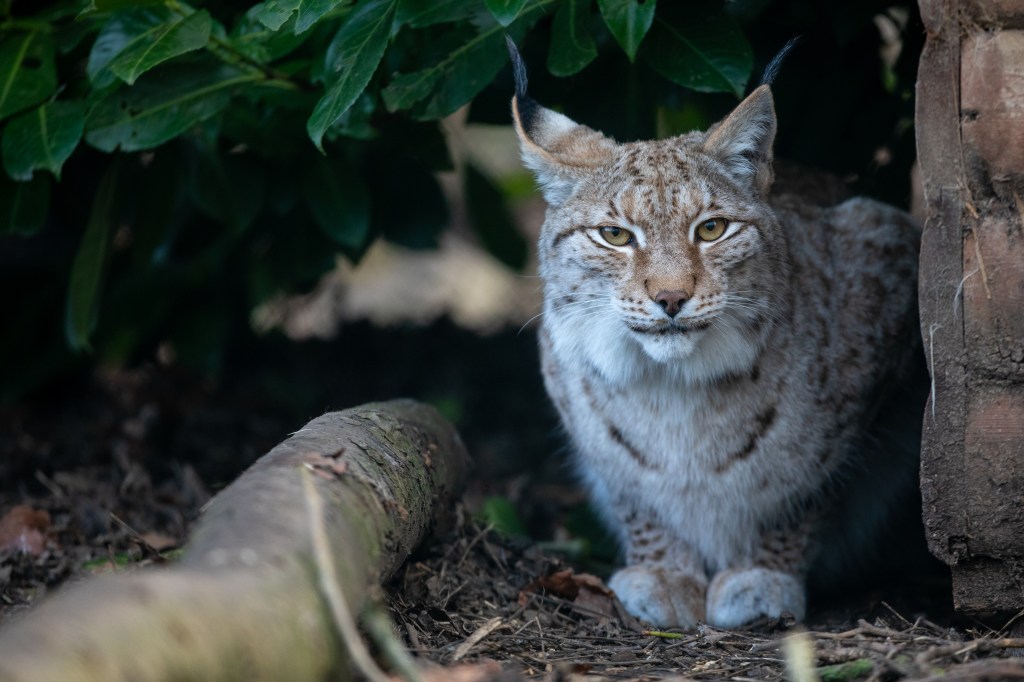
point(970, 141)
point(246, 602)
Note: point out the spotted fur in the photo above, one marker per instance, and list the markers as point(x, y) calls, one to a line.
point(721, 440)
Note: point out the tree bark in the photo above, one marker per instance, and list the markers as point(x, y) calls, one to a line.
point(970, 142)
point(335, 509)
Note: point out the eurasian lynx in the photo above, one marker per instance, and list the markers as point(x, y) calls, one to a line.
point(719, 355)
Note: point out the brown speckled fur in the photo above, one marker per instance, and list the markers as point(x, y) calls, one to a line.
point(717, 440)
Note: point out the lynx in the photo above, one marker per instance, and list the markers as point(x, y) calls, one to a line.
point(720, 355)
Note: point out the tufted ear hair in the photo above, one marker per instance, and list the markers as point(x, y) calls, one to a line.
point(558, 150)
point(743, 139)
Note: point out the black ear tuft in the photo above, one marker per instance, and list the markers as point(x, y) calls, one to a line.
point(528, 110)
point(524, 105)
point(518, 67)
point(772, 70)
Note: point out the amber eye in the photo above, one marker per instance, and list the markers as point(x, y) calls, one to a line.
point(712, 229)
point(616, 236)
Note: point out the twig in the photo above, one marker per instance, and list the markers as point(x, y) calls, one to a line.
point(526, 625)
point(1006, 626)
point(414, 638)
point(770, 645)
point(336, 601)
point(897, 614)
point(472, 543)
point(960, 648)
point(444, 604)
point(380, 628)
point(124, 526)
point(663, 635)
point(540, 631)
point(475, 638)
point(50, 485)
point(981, 263)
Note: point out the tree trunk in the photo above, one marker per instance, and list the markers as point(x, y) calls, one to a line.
point(970, 142)
point(324, 517)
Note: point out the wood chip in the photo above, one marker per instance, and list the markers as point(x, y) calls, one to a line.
point(477, 636)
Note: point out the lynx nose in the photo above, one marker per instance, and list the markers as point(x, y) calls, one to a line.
point(672, 301)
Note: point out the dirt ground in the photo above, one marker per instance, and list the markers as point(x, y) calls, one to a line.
point(113, 468)
point(482, 598)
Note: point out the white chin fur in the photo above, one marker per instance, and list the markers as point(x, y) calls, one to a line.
point(669, 347)
point(620, 357)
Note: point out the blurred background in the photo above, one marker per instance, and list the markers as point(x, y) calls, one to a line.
point(221, 219)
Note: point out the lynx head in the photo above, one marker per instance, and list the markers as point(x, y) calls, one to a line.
point(657, 255)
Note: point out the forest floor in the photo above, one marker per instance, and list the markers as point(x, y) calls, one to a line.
point(108, 472)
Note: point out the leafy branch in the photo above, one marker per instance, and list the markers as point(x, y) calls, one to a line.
point(263, 138)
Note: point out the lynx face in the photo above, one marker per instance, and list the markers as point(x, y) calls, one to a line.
point(657, 253)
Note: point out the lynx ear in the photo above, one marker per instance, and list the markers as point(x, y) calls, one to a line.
point(558, 150)
point(743, 139)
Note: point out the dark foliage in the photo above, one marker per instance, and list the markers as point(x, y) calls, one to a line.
point(168, 167)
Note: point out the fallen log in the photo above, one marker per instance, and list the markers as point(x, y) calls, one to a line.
point(279, 560)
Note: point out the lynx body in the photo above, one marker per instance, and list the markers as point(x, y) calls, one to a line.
point(718, 355)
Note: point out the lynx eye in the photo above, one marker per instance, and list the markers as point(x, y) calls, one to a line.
point(616, 236)
point(712, 229)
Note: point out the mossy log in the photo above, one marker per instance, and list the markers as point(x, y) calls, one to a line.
point(325, 516)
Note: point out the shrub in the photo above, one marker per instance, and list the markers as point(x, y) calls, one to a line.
point(170, 166)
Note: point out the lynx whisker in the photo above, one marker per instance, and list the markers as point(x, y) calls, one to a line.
point(567, 307)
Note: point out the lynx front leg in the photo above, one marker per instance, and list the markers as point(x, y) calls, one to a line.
point(662, 583)
point(771, 586)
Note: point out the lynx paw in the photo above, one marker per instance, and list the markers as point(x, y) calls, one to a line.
point(739, 596)
point(660, 596)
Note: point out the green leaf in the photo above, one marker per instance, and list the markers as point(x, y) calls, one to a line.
point(407, 89)
point(492, 221)
point(338, 201)
point(42, 138)
point(68, 36)
point(162, 106)
point(253, 39)
point(453, 81)
point(312, 11)
point(462, 74)
point(628, 20)
point(116, 35)
point(164, 41)
point(115, 5)
point(28, 74)
point(699, 46)
point(90, 266)
point(850, 670)
point(572, 46)
point(421, 13)
point(274, 13)
point(505, 11)
point(352, 56)
point(500, 513)
point(53, 13)
point(23, 205)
